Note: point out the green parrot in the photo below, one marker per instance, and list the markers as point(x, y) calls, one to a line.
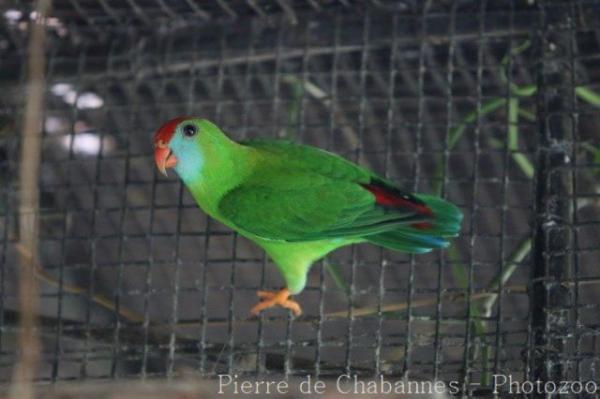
point(297, 202)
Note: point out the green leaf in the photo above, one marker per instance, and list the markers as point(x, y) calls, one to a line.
point(588, 95)
point(595, 151)
point(336, 274)
point(513, 139)
point(456, 133)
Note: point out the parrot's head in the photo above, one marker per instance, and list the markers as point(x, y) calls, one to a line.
point(183, 143)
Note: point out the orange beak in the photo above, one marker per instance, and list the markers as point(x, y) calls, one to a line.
point(163, 157)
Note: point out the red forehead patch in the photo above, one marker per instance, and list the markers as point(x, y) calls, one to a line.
point(165, 132)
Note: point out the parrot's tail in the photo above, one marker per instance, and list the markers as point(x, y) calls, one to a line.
point(424, 236)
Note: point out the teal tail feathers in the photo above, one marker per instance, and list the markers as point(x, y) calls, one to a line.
point(426, 236)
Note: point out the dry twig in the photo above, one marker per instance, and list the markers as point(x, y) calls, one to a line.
point(29, 166)
point(98, 299)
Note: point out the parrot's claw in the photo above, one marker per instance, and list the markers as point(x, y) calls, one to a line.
point(278, 298)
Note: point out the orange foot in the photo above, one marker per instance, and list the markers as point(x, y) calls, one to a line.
point(269, 299)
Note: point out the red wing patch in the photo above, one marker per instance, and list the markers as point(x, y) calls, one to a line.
point(392, 197)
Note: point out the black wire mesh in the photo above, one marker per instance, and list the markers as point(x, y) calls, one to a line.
point(485, 101)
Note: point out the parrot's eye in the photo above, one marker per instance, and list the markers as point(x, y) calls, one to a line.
point(189, 130)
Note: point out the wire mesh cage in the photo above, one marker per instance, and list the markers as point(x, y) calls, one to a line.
point(494, 105)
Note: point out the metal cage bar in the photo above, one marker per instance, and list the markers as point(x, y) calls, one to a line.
point(139, 283)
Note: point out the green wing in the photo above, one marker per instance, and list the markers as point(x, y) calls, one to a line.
point(307, 206)
point(301, 193)
point(299, 157)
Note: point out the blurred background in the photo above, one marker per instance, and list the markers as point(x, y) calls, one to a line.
point(495, 105)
